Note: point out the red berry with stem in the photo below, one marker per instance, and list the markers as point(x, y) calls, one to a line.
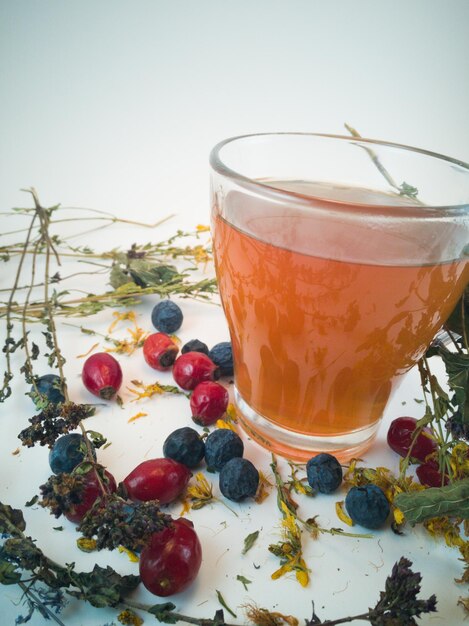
point(160, 351)
point(401, 439)
point(171, 560)
point(429, 474)
point(208, 401)
point(157, 479)
point(91, 492)
point(102, 375)
point(193, 368)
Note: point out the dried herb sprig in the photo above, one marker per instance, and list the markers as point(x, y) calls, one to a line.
point(103, 587)
point(54, 420)
point(116, 522)
point(398, 603)
point(141, 270)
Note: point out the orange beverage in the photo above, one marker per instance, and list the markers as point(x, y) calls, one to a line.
point(327, 310)
point(322, 353)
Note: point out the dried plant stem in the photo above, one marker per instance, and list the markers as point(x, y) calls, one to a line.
point(5, 392)
point(23, 322)
point(178, 617)
point(51, 615)
point(138, 292)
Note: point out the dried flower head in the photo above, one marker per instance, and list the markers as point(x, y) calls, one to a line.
point(54, 420)
point(62, 492)
point(117, 522)
point(263, 617)
point(198, 493)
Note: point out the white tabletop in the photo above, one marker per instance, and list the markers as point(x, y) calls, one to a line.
point(115, 106)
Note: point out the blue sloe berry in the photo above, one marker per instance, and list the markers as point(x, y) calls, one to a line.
point(222, 355)
point(166, 317)
point(67, 452)
point(324, 473)
point(49, 386)
point(194, 345)
point(239, 479)
point(185, 446)
point(221, 446)
point(367, 506)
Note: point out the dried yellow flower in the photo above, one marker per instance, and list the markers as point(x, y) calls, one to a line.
point(263, 617)
point(136, 416)
point(120, 317)
point(129, 618)
point(198, 494)
point(93, 347)
point(263, 488)
point(341, 514)
point(133, 558)
point(221, 423)
point(86, 545)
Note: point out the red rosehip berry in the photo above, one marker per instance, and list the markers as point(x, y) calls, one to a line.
point(157, 479)
point(90, 493)
point(102, 375)
point(193, 368)
point(160, 351)
point(208, 401)
point(171, 560)
point(429, 474)
point(400, 435)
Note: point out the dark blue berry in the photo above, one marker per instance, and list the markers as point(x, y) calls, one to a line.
point(194, 345)
point(49, 386)
point(222, 355)
point(166, 317)
point(67, 452)
point(221, 446)
point(239, 479)
point(367, 506)
point(324, 473)
point(185, 446)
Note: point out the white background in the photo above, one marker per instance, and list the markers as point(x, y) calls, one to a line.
point(115, 105)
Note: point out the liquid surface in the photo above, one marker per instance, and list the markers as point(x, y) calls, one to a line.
point(319, 344)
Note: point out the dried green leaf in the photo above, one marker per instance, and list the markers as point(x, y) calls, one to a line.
point(11, 519)
point(9, 575)
point(105, 587)
point(457, 369)
point(97, 439)
point(163, 612)
point(249, 541)
point(33, 501)
point(83, 468)
point(221, 600)
point(451, 500)
point(118, 277)
point(460, 316)
point(244, 581)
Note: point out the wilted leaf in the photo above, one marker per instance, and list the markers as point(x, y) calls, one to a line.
point(451, 500)
point(13, 516)
point(249, 541)
point(163, 612)
point(8, 573)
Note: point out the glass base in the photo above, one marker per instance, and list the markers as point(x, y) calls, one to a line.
point(297, 446)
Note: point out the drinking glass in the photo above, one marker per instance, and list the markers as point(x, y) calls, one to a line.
point(338, 260)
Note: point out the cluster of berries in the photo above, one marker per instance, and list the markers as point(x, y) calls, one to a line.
point(196, 369)
point(366, 505)
point(163, 570)
point(223, 451)
point(407, 439)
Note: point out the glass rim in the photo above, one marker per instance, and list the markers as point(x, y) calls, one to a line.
point(278, 193)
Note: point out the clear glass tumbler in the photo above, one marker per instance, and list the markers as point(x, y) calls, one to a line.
point(338, 260)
